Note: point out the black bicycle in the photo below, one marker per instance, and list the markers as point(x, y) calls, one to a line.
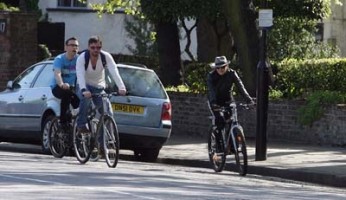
point(104, 128)
point(60, 136)
point(232, 140)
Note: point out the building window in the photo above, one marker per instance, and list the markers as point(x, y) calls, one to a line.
point(71, 3)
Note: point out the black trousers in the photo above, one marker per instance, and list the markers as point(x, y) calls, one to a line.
point(220, 122)
point(67, 97)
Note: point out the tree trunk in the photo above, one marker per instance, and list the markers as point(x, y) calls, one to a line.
point(169, 53)
point(242, 19)
point(213, 39)
point(22, 6)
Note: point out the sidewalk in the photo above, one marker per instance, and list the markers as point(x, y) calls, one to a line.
point(314, 164)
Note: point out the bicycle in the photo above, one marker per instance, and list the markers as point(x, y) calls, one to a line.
point(106, 128)
point(59, 138)
point(232, 140)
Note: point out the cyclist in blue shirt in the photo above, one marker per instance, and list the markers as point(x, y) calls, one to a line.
point(65, 78)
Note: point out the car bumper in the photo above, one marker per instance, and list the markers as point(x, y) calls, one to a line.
point(142, 137)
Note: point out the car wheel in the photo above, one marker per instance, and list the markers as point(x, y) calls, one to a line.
point(45, 130)
point(146, 155)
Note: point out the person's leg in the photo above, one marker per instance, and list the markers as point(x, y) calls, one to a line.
point(83, 110)
point(64, 102)
point(74, 100)
point(64, 106)
point(98, 103)
point(220, 123)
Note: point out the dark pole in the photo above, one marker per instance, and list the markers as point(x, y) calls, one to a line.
point(262, 96)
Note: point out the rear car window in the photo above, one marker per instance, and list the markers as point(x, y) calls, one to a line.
point(26, 79)
point(46, 76)
point(142, 83)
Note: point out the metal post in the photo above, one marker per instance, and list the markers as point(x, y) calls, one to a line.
point(262, 96)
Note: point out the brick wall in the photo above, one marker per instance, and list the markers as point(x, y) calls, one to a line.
point(190, 118)
point(18, 45)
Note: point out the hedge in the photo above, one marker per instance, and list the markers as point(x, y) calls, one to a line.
point(297, 77)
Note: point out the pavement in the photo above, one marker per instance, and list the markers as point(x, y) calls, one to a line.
point(321, 165)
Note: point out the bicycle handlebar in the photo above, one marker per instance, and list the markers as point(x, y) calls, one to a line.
point(231, 106)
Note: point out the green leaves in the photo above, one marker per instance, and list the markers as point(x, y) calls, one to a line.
point(314, 108)
point(296, 78)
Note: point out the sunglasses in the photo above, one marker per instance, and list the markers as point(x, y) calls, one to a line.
point(95, 47)
point(223, 67)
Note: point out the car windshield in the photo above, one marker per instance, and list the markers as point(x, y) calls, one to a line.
point(139, 82)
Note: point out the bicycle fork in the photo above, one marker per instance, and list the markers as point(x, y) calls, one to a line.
point(234, 137)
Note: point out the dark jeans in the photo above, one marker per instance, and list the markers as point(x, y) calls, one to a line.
point(220, 123)
point(67, 97)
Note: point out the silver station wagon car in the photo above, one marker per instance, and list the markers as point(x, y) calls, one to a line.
point(27, 107)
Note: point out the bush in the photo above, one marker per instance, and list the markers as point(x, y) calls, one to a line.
point(314, 108)
point(296, 78)
point(196, 76)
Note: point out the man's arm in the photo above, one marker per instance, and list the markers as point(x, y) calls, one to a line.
point(241, 87)
point(57, 66)
point(80, 71)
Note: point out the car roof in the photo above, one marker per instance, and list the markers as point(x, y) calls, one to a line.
point(124, 65)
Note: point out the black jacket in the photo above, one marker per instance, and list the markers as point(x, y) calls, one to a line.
point(220, 87)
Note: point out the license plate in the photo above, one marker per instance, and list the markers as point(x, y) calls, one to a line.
point(128, 108)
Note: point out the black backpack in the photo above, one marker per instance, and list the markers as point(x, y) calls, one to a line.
point(87, 58)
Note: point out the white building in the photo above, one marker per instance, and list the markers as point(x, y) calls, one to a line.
point(334, 28)
point(81, 21)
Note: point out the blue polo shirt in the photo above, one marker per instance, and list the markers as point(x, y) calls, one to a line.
point(67, 68)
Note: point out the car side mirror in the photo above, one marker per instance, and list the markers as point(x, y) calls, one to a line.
point(12, 85)
point(9, 85)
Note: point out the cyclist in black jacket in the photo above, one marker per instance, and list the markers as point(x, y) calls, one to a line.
point(220, 83)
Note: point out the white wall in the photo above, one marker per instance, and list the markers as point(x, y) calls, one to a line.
point(335, 27)
point(111, 28)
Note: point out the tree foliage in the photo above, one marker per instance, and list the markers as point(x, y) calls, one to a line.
point(292, 37)
point(306, 9)
point(144, 36)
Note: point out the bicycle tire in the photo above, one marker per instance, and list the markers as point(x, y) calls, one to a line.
point(56, 141)
point(111, 143)
point(83, 144)
point(217, 161)
point(240, 151)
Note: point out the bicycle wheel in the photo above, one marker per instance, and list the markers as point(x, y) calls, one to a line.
point(217, 156)
point(240, 151)
point(111, 142)
point(83, 144)
point(56, 139)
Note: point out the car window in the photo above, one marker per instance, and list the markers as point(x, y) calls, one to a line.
point(26, 78)
point(141, 83)
point(46, 76)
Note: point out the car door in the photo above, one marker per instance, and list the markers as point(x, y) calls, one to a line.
point(13, 112)
point(35, 101)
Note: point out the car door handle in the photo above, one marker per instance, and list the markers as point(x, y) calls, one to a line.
point(44, 97)
point(20, 98)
